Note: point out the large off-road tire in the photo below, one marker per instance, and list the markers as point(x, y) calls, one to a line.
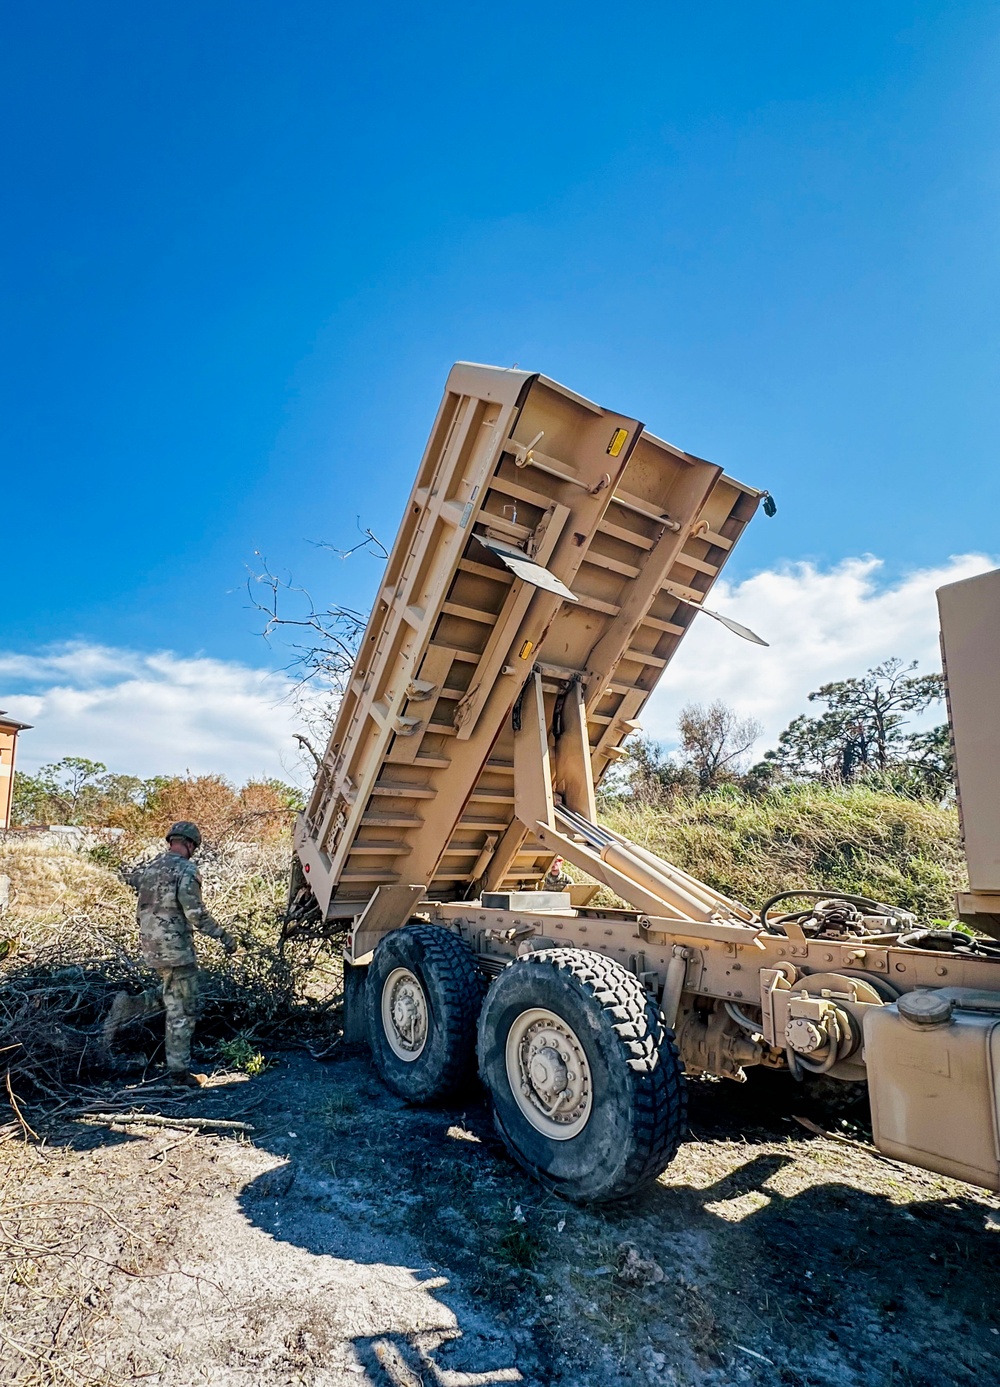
point(587, 1086)
point(422, 998)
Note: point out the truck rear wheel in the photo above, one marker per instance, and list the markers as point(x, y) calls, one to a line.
point(422, 997)
point(587, 1086)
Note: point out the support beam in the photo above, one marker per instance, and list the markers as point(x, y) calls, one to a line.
point(503, 855)
point(656, 565)
point(583, 857)
point(532, 766)
point(574, 772)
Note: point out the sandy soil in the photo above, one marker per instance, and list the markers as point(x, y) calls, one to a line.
point(349, 1239)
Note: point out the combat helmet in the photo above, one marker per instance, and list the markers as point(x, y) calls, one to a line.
point(185, 829)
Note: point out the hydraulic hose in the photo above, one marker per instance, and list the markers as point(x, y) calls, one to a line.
point(862, 902)
point(741, 1019)
point(821, 1066)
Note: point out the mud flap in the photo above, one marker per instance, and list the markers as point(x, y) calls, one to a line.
point(355, 1029)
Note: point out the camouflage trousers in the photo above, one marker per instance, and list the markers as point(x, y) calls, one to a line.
point(177, 996)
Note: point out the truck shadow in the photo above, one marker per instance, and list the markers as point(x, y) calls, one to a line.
point(830, 1263)
point(370, 1302)
point(759, 1239)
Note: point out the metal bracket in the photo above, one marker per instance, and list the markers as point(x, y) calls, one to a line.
point(388, 909)
point(419, 689)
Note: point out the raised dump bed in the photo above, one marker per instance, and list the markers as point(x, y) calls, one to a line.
point(543, 533)
point(551, 557)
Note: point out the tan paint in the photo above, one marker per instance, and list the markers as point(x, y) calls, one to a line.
point(8, 754)
point(970, 648)
point(934, 1095)
point(417, 782)
point(483, 711)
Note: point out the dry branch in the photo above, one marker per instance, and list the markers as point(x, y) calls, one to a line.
point(194, 1124)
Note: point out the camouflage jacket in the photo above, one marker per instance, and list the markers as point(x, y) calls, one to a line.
point(170, 908)
point(556, 881)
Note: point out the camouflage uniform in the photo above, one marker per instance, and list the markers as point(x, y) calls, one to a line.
point(556, 881)
point(169, 909)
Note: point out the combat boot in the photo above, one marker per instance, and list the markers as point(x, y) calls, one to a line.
point(183, 1078)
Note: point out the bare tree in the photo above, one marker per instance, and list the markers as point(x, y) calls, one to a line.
point(715, 742)
point(322, 640)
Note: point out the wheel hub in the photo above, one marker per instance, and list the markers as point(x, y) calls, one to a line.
point(404, 1014)
point(549, 1073)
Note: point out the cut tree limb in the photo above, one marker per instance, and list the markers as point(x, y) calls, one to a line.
point(194, 1124)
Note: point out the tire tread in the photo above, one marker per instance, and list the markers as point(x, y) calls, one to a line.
point(464, 987)
point(649, 1053)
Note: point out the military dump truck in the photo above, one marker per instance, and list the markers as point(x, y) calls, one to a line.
point(551, 557)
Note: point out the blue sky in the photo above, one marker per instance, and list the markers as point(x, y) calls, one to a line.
point(245, 242)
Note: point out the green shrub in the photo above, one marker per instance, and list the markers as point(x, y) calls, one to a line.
point(241, 1053)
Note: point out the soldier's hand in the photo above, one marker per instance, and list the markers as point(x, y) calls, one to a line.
point(230, 943)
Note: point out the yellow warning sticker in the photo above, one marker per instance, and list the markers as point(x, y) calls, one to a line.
point(617, 442)
point(525, 650)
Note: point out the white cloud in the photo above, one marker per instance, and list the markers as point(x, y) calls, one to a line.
point(151, 714)
point(158, 713)
point(82, 663)
point(820, 625)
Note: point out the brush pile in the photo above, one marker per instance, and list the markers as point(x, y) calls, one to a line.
point(69, 943)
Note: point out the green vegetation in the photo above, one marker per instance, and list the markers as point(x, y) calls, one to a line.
point(851, 801)
point(861, 739)
point(241, 1053)
point(851, 838)
point(862, 733)
point(517, 1247)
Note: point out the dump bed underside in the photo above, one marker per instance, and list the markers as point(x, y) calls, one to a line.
point(416, 786)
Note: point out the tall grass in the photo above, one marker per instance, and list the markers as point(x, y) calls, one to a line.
point(865, 842)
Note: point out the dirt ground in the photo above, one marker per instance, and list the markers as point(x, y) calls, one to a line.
point(348, 1239)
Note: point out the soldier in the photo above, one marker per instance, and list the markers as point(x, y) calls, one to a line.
point(555, 879)
point(169, 909)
